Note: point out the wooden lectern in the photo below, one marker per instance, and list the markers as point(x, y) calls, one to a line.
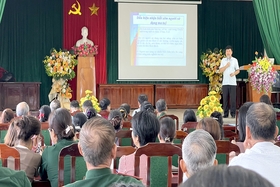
point(253, 95)
point(85, 76)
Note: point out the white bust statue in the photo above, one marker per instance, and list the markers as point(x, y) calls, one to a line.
point(84, 39)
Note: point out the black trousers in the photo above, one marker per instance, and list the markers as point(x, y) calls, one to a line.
point(229, 91)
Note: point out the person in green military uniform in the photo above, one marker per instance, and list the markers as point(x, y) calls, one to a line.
point(97, 146)
point(161, 108)
point(11, 178)
point(62, 134)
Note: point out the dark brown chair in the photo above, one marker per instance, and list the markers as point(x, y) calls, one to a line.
point(181, 135)
point(126, 125)
point(73, 152)
point(174, 118)
point(161, 150)
point(225, 147)
point(6, 152)
point(124, 134)
point(189, 126)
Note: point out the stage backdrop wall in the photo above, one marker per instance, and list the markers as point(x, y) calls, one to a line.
point(234, 24)
point(28, 30)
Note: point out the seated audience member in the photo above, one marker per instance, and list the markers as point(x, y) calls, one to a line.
point(141, 99)
point(11, 136)
point(224, 176)
point(12, 178)
point(90, 112)
point(86, 104)
point(145, 128)
point(161, 108)
point(219, 118)
point(147, 106)
point(261, 155)
point(22, 109)
point(27, 128)
point(97, 146)
point(7, 116)
point(115, 118)
point(127, 108)
point(105, 106)
point(55, 104)
point(44, 113)
point(167, 130)
point(79, 120)
point(189, 116)
point(74, 107)
point(241, 124)
point(210, 125)
point(199, 152)
point(265, 99)
point(62, 134)
point(124, 113)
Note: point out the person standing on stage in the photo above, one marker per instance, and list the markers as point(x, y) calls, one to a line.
point(230, 68)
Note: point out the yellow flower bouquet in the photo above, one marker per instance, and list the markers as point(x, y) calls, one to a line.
point(92, 98)
point(210, 63)
point(208, 105)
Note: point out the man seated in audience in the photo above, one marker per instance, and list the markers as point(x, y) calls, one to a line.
point(199, 152)
point(161, 108)
point(22, 109)
point(87, 104)
point(141, 99)
point(223, 176)
point(12, 178)
point(74, 107)
point(97, 145)
point(55, 104)
point(261, 155)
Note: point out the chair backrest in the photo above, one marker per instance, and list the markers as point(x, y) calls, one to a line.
point(124, 138)
point(73, 152)
point(174, 118)
point(180, 135)
point(126, 125)
point(189, 126)
point(6, 152)
point(159, 150)
point(225, 147)
point(122, 150)
point(45, 133)
point(3, 131)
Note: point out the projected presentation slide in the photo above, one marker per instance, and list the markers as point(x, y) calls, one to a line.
point(158, 39)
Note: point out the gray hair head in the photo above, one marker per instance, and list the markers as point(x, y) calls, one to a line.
point(97, 139)
point(261, 120)
point(161, 105)
point(22, 109)
point(199, 151)
point(55, 104)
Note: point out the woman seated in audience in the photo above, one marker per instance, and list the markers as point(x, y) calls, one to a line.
point(7, 116)
point(189, 116)
point(123, 113)
point(11, 136)
point(145, 128)
point(105, 106)
point(90, 112)
point(27, 127)
point(167, 130)
point(265, 99)
point(147, 106)
point(78, 120)
point(219, 118)
point(210, 125)
point(62, 134)
point(44, 113)
point(241, 127)
point(115, 117)
point(127, 108)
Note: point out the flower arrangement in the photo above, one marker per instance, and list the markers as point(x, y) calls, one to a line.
point(210, 64)
point(60, 64)
point(62, 87)
point(92, 98)
point(208, 105)
point(262, 74)
point(85, 49)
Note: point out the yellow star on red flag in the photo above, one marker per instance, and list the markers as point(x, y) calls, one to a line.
point(94, 9)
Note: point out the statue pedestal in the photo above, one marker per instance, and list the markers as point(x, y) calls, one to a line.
point(85, 76)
